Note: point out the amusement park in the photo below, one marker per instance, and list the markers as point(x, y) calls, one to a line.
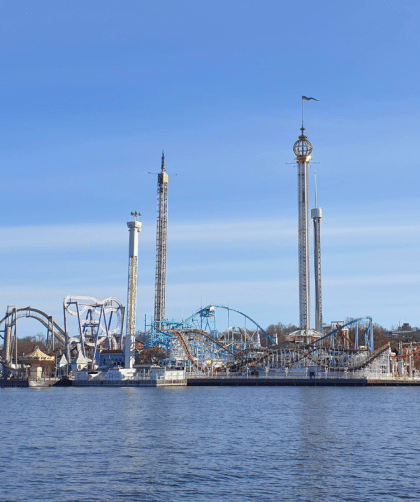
point(98, 342)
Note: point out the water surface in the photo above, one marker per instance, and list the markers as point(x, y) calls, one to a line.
point(210, 443)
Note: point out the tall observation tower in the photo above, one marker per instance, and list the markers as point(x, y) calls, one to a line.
point(130, 335)
point(161, 242)
point(303, 149)
point(316, 215)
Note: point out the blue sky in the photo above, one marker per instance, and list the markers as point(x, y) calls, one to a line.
point(92, 91)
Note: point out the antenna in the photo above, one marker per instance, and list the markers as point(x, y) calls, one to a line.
point(316, 190)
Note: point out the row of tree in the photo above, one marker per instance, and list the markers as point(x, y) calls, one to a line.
point(28, 344)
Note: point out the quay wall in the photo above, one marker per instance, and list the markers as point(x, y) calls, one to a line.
point(13, 383)
point(300, 382)
point(229, 381)
point(128, 383)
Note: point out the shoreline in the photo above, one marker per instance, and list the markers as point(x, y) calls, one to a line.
point(222, 382)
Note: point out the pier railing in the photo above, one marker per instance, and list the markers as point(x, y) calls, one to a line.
point(342, 375)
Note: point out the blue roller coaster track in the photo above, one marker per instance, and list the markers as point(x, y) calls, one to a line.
point(205, 320)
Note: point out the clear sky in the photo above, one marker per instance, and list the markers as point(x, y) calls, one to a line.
point(92, 91)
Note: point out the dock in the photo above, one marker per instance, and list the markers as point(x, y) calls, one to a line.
point(300, 382)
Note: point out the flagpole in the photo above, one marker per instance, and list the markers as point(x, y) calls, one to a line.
point(302, 111)
point(304, 98)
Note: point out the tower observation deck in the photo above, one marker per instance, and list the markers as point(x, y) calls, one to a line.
point(161, 243)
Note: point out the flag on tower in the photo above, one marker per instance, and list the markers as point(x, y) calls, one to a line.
point(304, 98)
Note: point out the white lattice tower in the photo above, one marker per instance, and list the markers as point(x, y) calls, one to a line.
point(130, 336)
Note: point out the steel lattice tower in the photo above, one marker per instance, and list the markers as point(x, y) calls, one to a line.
point(303, 149)
point(316, 215)
point(161, 242)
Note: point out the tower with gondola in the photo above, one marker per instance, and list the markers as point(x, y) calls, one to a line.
point(303, 150)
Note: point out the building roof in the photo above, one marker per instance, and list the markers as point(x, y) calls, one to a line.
point(37, 355)
point(62, 361)
point(81, 359)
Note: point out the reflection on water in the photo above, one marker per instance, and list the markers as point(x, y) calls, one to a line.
point(209, 443)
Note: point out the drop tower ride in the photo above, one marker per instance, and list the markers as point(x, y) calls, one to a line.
point(316, 214)
point(130, 335)
point(161, 243)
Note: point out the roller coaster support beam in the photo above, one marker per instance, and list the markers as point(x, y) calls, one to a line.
point(213, 307)
point(368, 334)
point(67, 339)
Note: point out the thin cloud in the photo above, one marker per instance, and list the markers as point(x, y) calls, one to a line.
point(85, 235)
point(373, 280)
point(386, 231)
point(262, 232)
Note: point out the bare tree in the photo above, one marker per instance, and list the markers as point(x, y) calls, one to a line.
point(154, 355)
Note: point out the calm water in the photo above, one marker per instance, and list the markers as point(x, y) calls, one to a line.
point(306, 444)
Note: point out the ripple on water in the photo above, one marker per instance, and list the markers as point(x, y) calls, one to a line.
point(209, 444)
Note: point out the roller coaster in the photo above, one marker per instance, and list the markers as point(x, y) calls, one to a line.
point(207, 345)
point(99, 324)
point(214, 340)
point(53, 329)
